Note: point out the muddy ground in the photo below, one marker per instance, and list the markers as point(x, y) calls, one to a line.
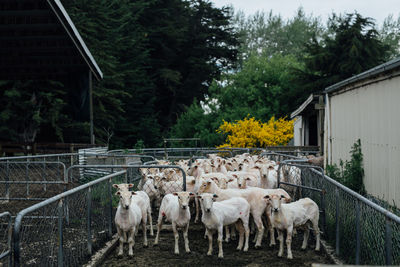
point(163, 254)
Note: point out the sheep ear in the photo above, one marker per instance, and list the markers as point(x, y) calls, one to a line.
point(270, 168)
point(234, 175)
point(130, 185)
point(133, 192)
point(215, 196)
point(282, 196)
point(256, 167)
point(164, 178)
point(230, 180)
point(199, 197)
point(175, 193)
point(115, 186)
point(196, 167)
point(248, 179)
point(267, 196)
point(118, 193)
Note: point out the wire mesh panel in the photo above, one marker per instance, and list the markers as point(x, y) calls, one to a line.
point(66, 229)
point(21, 180)
point(39, 237)
point(361, 231)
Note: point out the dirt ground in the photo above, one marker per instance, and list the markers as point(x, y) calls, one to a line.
point(163, 254)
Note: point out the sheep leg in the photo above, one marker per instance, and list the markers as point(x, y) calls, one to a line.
point(159, 225)
point(272, 241)
point(144, 233)
point(289, 242)
point(176, 236)
point(260, 227)
point(280, 238)
point(220, 237)
point(227, 234)
point(185, 237)
point(210, 248)
point(121, 241)
point(240, 228)
point(131, 241)
point(305, 238)
point(150, 221)
point(245, 222)
point(233, 232)
point(196, 202)
point(317, 234)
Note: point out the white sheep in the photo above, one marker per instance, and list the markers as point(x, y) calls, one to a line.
point(254, 196)
point(127, 220)
point(175, 209)
point(293, 215)
point(216, 215)
point(142, 200)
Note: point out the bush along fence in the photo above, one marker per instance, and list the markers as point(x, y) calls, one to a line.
point(65, 230)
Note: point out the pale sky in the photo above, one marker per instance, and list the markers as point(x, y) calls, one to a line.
point(376, 9)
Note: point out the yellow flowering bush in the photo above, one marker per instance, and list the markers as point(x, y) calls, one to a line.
point(250, 132)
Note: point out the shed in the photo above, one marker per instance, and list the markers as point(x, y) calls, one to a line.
point(308, 125)
point(39, 41)
point(366, 107)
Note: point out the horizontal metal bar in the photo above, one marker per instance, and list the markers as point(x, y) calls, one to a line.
point(39, 156)
point(302, 186)
point(22, 199)
point(366, 201)
point(32, 182)
point(33, 162)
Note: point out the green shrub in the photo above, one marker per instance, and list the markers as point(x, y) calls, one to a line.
point(350, 173)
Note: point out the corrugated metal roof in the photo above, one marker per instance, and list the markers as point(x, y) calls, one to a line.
point(69, 26)
point(392, 64)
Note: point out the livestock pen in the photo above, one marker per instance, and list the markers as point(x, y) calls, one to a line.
point(69, 227)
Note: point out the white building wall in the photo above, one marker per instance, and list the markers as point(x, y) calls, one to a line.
point(298, 131)
point(371, 113)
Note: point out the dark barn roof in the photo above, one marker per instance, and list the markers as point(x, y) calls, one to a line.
point(39, 41)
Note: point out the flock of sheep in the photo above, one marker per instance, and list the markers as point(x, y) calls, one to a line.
point(227, 191)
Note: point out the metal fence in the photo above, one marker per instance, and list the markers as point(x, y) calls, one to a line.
point(31, 180)
point(64, 230)
point(5, 238)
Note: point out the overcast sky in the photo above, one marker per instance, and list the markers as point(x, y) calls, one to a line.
point(377, 9)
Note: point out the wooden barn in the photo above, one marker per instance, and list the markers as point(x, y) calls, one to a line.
point(39, 41)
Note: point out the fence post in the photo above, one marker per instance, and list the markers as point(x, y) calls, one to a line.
point(110, 208)
point(323, 211)
point(358, 237)
point(7, 179)
point(27, 177)
point(337, 221)
point(388, 242)
point(60, 259)
point(89, 220)
point(44, 174)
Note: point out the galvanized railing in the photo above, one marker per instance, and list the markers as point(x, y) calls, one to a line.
point(65, 229)
point(5, 238)
point(30, 180)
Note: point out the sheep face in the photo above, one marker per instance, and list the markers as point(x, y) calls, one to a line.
point(125, 198)
point(207, 201)
point(183, 199)
point(274, 201)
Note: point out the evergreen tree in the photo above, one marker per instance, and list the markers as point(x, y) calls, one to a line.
point(351, 46)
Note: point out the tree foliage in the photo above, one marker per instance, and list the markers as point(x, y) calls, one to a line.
point(350, 47)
